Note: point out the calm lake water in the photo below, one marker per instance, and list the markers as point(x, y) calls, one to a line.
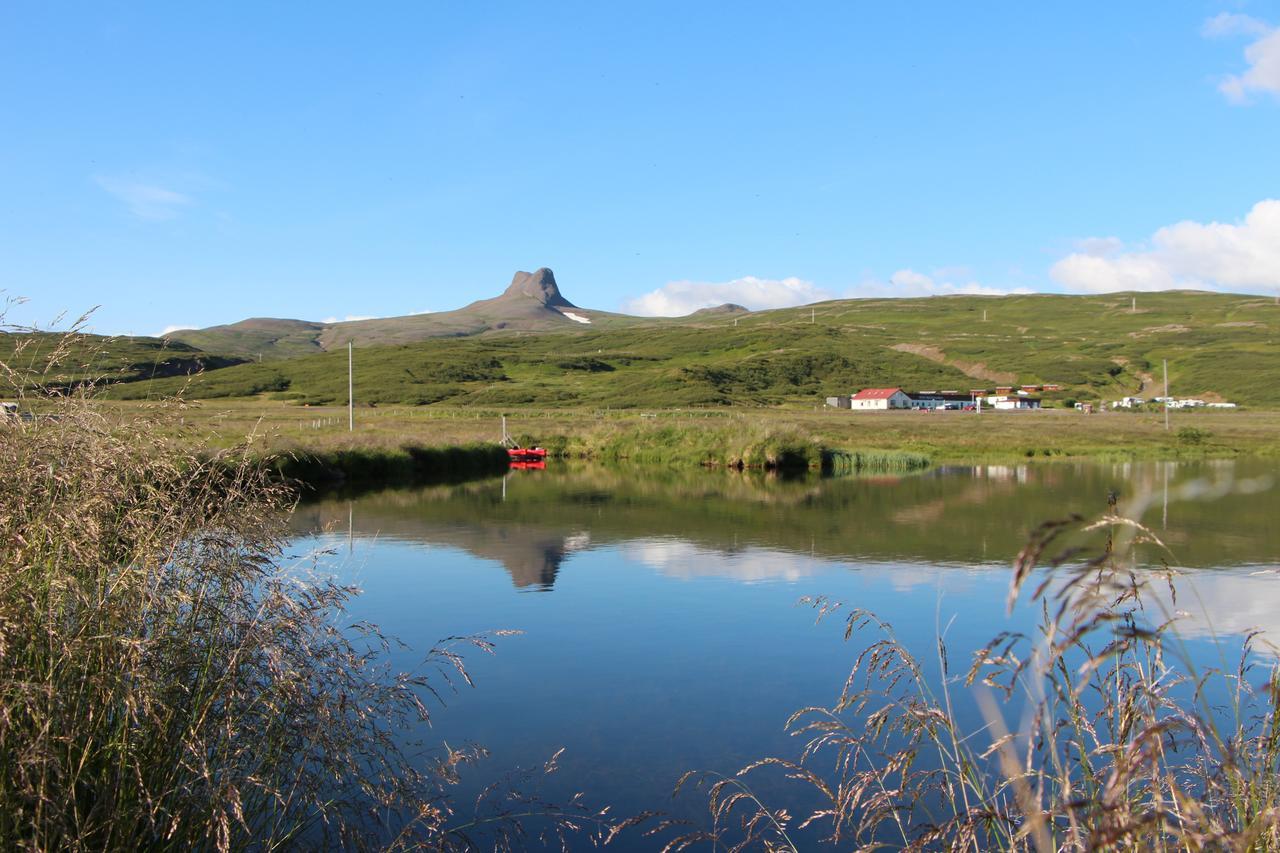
point(659, 610)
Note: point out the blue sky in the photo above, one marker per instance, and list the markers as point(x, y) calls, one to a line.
point(186, 166)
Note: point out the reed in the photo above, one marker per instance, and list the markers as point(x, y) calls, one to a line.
point(1124, 744)
point(739, 443)
point(168, 682)
point(872, 461)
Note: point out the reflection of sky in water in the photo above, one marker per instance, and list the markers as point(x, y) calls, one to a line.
point(649, 654)
point(1223, 602)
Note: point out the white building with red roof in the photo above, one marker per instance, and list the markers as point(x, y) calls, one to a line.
point(879, 400)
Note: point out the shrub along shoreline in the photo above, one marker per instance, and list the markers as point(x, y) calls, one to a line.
point(377, 466)
point(324, 470)
point(406, 447)
point(726, 437)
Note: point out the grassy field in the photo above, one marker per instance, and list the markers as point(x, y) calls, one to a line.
point(684, 436)
point(1218, 346)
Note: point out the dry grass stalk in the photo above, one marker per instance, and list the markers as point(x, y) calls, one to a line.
point(166, 684)
point(1125, 744)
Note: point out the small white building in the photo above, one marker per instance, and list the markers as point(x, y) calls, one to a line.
point(879, 400)
point(1013, 401)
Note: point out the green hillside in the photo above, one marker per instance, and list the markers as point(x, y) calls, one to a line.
point(1219, 346)
point(58, 360)
point(255, 338)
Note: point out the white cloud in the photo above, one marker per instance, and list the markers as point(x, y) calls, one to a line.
point(683, 559)
point(145, 201)
point(677, 298)
point(167, 329)
point(909, 283)
point(1233, 24)
point(1212, 256)
point(1263, 56)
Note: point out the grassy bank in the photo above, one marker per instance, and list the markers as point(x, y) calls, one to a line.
point(725, 435)
point(378, 466)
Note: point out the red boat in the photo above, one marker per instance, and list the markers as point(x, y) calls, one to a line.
point(527, 454)
point(521, 455)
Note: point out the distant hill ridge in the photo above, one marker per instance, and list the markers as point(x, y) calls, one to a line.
point(532, 303)
point(1219, 346)
point(726, 308)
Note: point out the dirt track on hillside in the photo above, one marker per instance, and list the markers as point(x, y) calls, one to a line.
point(976, 369)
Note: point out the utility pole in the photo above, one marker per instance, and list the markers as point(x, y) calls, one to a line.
point(813, 314)
point(1166, 395)
point(1133, 306)
point(351, 400)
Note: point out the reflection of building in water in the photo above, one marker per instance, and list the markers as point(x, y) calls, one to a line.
point(1015, 473)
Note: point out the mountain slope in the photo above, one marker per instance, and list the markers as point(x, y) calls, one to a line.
point(531, 303)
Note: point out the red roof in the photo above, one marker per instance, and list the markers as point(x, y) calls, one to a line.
point(876, 393)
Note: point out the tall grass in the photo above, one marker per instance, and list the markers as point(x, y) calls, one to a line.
point(165, 684)
point(741, 443)
point(1124, 742)
point(872, 461)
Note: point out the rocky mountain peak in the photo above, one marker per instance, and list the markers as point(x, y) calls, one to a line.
point(539, 285)
point(726, 308)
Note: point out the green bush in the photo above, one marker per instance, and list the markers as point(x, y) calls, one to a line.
point(1192, 435)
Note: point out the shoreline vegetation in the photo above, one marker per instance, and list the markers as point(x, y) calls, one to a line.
point(410, 445)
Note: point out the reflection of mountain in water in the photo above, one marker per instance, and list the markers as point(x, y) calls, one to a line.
point(727, 525)
point(531, 555)
point(532, 558)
